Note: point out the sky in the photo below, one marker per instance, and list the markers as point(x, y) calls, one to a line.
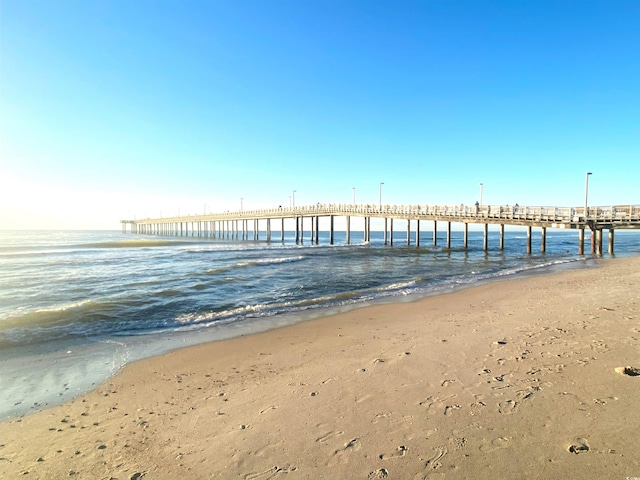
point(115, 110)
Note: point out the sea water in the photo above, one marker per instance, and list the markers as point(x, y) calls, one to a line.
point(75, 306)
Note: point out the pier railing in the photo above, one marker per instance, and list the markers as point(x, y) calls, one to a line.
point(236, 224)
point(617, 215)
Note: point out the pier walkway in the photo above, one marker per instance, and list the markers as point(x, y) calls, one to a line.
point(237, 224)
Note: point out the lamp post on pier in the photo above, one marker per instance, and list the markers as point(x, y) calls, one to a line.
point(354, 194)
point(481, 187)
point(380, 196)
point(586, 196)
point(293, 204)
point(241, 204)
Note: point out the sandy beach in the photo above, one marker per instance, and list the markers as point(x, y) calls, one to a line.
point(523, 378)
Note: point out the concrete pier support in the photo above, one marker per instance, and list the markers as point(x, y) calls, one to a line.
point(391, 232)
point(331, 229)
point(297, 229)
point(465, 236)
point(502, 236)
point(529, 239)
point(581, 241)
point(268, 229)
point(348, 232)
point(384, 236)
point(611, 241)
point(593, 242)
point(417, 233)
point(599, 242)
point(317, 230)
point(543, 240)
point(448, 235)
point(485, 242)
point(408, 232)
point(435, 233)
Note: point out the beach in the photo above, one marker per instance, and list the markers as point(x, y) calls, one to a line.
point(518, 378)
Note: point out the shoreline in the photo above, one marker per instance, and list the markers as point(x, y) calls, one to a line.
point(494, 377)
point(81, 367)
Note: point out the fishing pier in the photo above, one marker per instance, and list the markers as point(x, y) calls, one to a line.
point(245, 225)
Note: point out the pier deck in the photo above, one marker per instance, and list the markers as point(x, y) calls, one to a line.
point(236, 224)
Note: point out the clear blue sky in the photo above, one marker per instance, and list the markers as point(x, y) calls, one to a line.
point(121, 109)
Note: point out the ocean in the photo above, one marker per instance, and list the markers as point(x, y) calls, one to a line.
point(76, 306)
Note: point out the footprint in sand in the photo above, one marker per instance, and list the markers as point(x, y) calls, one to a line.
point(599, 346)
point(476, 407)
point(433, 405)
point(272, 407)
point(495, 444)
point(329, 435)
point(429, 403)
point(629, 371)
point(507, 407)
point(603, 401)
point(448, 410)
point(434, 462)
point(401, 451)
point(342, 454)
point(580, 445)
point(269, 473)
point(382, 473)
point(524, 394)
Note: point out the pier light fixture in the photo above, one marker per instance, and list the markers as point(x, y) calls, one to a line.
point(293, 197)
point(481, 187)
point(586, 196)
point(380, 197)
point(354, 194)
point(241, 204)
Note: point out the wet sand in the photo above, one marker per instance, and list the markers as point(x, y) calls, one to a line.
point(522, 378)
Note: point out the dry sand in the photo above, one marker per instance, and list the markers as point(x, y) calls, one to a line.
point(514, 379)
